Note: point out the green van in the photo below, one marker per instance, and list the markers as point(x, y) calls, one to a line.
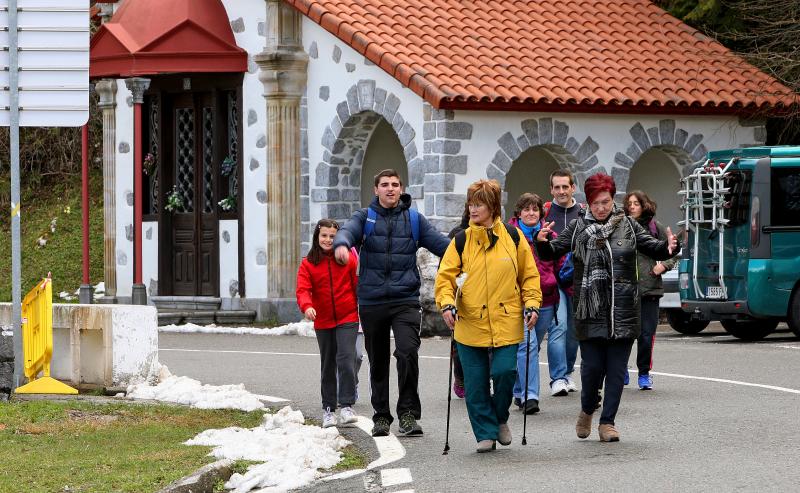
point(741, 252)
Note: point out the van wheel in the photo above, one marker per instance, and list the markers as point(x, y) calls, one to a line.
point(749, 330)
point(793, 317)
point(680, 321)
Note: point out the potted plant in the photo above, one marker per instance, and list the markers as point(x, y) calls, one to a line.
point(228, 203)
point(174, 200)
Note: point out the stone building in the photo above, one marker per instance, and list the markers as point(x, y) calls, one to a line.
point(262, 116)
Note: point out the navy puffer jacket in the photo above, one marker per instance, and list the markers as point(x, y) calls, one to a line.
point(388, 258)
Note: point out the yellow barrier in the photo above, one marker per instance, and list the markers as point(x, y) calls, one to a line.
point(37, 341)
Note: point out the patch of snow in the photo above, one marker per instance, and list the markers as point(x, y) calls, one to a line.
point(185, 390)
point(291, 452)
point(100, 287)
point(304, 328)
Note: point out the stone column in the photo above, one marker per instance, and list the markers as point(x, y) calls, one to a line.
point(107, 89)
point(137, 86)
point(282, 67)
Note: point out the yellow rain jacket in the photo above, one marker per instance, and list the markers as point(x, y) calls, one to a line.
point(500, 281)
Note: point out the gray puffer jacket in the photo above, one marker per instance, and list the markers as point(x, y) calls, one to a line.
point(621, 319)
point(650, 284)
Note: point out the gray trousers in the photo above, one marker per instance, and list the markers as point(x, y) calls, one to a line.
point(337, 354)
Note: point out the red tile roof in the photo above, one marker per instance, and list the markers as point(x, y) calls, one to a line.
point(574, 55)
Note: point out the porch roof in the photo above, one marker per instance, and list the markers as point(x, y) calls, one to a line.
point(549, 55)
point(149, 37)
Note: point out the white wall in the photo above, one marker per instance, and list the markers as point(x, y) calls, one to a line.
point(124, 190)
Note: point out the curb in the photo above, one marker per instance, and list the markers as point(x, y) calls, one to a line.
point(202, 480)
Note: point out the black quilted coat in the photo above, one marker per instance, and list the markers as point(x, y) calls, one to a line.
point(621, 320)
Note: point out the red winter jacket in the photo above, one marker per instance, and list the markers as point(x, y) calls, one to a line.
point(330, 289)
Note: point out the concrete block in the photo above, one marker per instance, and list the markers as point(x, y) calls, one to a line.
point(509, 145)
point(450, 204)
point(639, 135)
point(531, 130)
point(666, 130)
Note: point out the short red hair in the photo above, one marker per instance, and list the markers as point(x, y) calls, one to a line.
point(597, 184)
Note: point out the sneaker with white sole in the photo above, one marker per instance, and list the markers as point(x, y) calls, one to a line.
point(328, 418)
point(645, 382)
point(559, 388)
point(571, 385)
point(347, 415)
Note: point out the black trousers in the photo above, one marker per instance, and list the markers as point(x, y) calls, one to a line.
point(646, 340)
point(603, 358)
point(378, 322)
point(337, 354)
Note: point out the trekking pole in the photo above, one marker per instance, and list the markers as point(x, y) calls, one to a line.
point(527, 369)
point(449, 397)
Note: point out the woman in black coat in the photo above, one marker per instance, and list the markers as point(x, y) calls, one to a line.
point(604, 243)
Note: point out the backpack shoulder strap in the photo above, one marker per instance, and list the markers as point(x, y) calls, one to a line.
point(512, 231)
point(369, 225)
point(546, 209)
point(461, 240)
point(414, 217)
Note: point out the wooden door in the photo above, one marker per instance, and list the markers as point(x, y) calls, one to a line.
point(193, 168)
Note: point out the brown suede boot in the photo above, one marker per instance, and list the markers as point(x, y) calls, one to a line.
point(584, 425)
point(608, 433)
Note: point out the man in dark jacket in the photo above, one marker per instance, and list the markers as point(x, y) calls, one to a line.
point(388, 294)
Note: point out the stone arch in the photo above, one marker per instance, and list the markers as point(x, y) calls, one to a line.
point(551, 136)
point(337, 177)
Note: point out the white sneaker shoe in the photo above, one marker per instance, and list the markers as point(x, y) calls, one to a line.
point(328, 418)
point(559, 388)
point(571, 385)
point(347, 415)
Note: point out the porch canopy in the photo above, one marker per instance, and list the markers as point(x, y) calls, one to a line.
point(150, 37)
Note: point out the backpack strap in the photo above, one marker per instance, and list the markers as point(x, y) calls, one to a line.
point(461, 239)
point(514, 233)
point(414, 217)
point(546, 209)
point(369, 225)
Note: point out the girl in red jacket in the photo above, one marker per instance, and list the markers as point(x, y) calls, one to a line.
point(326, 294)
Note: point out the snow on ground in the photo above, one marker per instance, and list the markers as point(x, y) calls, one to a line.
point(190, 392)
point(291, 452)
point(304, 328)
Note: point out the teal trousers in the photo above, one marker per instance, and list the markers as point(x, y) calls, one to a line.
point(488, 411)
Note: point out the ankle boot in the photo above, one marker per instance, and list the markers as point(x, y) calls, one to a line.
point(584, 425)
point(608, 433)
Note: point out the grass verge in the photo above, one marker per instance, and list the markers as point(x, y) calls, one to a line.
point(85, 447)
point(62, 252)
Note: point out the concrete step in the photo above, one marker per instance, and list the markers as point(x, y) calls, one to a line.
point(185, 303)
point(206, 317)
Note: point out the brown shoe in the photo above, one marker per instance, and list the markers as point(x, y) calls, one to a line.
point(485, 446)
point(608, 433)
point(504, 434)
point(584, 425)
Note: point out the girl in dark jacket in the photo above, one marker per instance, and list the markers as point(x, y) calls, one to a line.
point(604, 244)
point(641, 208)
point(326, 294)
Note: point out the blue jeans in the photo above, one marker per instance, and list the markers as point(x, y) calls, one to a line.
point(487, 411)
point(562, 343)
point(545, 320)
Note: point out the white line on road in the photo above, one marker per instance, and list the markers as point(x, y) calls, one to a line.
point(393, 477)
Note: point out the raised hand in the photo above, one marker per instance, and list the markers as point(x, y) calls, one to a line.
point(545, 231)
point(342, 254)
point(672, 241)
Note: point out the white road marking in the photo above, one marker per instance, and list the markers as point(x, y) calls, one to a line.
point(393, 477)
point(269, 398)
point(789, 347)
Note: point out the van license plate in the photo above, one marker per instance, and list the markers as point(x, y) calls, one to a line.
point(715, 292)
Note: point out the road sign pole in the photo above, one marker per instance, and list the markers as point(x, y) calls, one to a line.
point(16, 253)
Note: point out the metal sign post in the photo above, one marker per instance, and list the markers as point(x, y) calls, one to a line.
point(44, 83)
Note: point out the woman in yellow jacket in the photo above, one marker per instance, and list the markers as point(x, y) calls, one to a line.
point(500, 289)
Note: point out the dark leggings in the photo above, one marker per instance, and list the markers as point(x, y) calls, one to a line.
point(603, 358)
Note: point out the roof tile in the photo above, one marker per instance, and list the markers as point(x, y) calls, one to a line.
point(584, 55)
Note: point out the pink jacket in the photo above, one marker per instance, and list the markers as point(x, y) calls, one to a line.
point(547, 277)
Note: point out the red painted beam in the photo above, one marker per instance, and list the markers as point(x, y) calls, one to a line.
point(85, 198)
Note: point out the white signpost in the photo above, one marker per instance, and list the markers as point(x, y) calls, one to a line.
point(44, 82)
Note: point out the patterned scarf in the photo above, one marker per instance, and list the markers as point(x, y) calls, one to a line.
point(593, 250)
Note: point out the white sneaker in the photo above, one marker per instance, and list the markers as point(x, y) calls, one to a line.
point(559, 388)
point(328, 418)
point(347, 415)
point(571, 385)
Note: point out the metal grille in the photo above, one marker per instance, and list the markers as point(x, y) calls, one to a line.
point(155, 132)
point(184, 153)
point(208, 156)
point(233, 143)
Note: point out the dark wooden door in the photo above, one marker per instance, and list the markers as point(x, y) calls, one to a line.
point(193, 168)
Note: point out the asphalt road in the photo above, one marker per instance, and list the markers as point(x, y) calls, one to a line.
point(723, 416)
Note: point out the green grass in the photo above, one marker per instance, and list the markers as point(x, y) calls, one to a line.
point(62, 255)
point(352, 458)
point(84, 447)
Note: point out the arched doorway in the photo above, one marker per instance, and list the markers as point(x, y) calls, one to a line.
point(383, 151)
point(530, 172)
point(658, 175)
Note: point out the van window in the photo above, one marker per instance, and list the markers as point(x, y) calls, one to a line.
point(785, 209)
point(737, 200)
